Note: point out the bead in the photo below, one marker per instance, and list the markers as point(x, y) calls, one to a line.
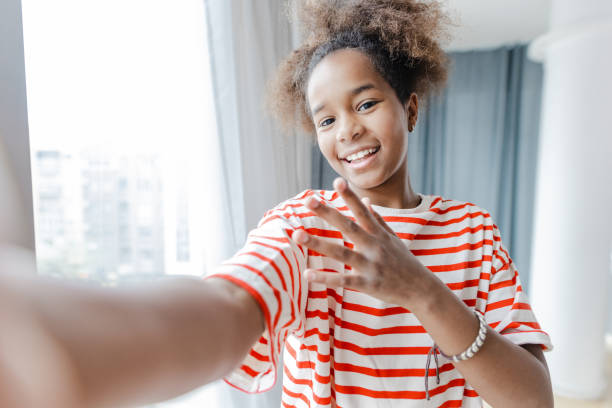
point(476, 344)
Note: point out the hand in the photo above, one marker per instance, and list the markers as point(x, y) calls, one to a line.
point(382, 265)
point(34, 369)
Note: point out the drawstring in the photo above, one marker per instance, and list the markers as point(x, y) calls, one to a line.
point(433, 350)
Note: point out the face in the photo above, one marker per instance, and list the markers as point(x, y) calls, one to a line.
point(360, 123)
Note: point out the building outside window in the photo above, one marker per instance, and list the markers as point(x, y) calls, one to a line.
point(118, 119)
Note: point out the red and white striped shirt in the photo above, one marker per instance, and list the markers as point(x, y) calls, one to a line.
point(348, 349)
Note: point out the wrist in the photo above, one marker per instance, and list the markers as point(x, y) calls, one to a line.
point(423, 288)
point(446, 318)
point(474, 347)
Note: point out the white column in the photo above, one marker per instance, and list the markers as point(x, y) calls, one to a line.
point(573, 209)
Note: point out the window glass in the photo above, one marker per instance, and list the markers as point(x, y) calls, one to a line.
point(120, 108)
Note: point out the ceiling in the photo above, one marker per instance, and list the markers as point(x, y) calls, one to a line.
point(494, 23)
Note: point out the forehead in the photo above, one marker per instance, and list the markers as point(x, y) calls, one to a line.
point(340, 73)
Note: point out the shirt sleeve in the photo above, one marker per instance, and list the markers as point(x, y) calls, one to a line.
point(269, 267)
point(507, 308)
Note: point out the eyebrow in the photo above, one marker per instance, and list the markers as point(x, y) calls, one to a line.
point(354, 92)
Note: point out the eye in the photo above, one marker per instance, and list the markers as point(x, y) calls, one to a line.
point(366, 105)
point(326, 122)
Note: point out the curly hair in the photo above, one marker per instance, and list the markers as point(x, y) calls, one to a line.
point(400, 37)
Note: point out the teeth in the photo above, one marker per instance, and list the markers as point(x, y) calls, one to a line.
point(360, 154)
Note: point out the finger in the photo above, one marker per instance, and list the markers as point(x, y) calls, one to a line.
point(347, 226)
point(377, 216)
point(337, 280)
point(338, 252)
point(361, 213)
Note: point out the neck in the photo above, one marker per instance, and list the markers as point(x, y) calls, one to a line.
point(396, 192)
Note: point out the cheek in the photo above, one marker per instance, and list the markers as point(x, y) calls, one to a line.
point(395, 132)
point(326, 147)
point(394, 137)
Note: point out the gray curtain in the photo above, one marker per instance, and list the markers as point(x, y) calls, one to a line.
point(478, 142)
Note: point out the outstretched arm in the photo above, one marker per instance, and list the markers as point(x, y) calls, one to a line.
point(97, 347)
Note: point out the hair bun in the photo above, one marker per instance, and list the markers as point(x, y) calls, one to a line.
point(408, 30)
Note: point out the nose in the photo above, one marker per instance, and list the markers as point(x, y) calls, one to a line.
point(350, 128)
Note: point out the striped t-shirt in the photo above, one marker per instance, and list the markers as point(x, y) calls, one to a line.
point(344, 348)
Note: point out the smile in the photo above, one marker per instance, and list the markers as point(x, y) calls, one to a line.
point(361, 158)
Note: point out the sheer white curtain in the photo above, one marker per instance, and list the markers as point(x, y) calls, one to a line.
point(255, 166)
point(251, 166)
point(261, 166)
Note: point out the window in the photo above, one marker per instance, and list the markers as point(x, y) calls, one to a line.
point(120, 113)
point(120, 105)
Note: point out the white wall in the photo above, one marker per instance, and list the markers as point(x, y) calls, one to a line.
point(16, 216)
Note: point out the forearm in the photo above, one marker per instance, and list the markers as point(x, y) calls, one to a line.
point(501, 370)
point(139, 345)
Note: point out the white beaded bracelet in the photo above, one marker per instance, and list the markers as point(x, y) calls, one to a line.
point(467, 354)
point(475, 346)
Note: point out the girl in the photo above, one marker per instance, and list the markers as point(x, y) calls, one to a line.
point(380, 296)
point(393, 278)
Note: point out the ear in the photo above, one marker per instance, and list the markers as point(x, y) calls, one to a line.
point(412, 110)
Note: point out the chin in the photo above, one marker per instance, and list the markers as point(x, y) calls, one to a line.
point(364, 182)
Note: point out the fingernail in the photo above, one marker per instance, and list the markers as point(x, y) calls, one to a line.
point(366, 201)
point(312, 203)
point(339, 184)
point(309, 274)
point(301, 236)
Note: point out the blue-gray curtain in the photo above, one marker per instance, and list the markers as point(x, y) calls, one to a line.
point(478, 142)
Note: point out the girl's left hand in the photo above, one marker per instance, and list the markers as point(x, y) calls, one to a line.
point(382, 265)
